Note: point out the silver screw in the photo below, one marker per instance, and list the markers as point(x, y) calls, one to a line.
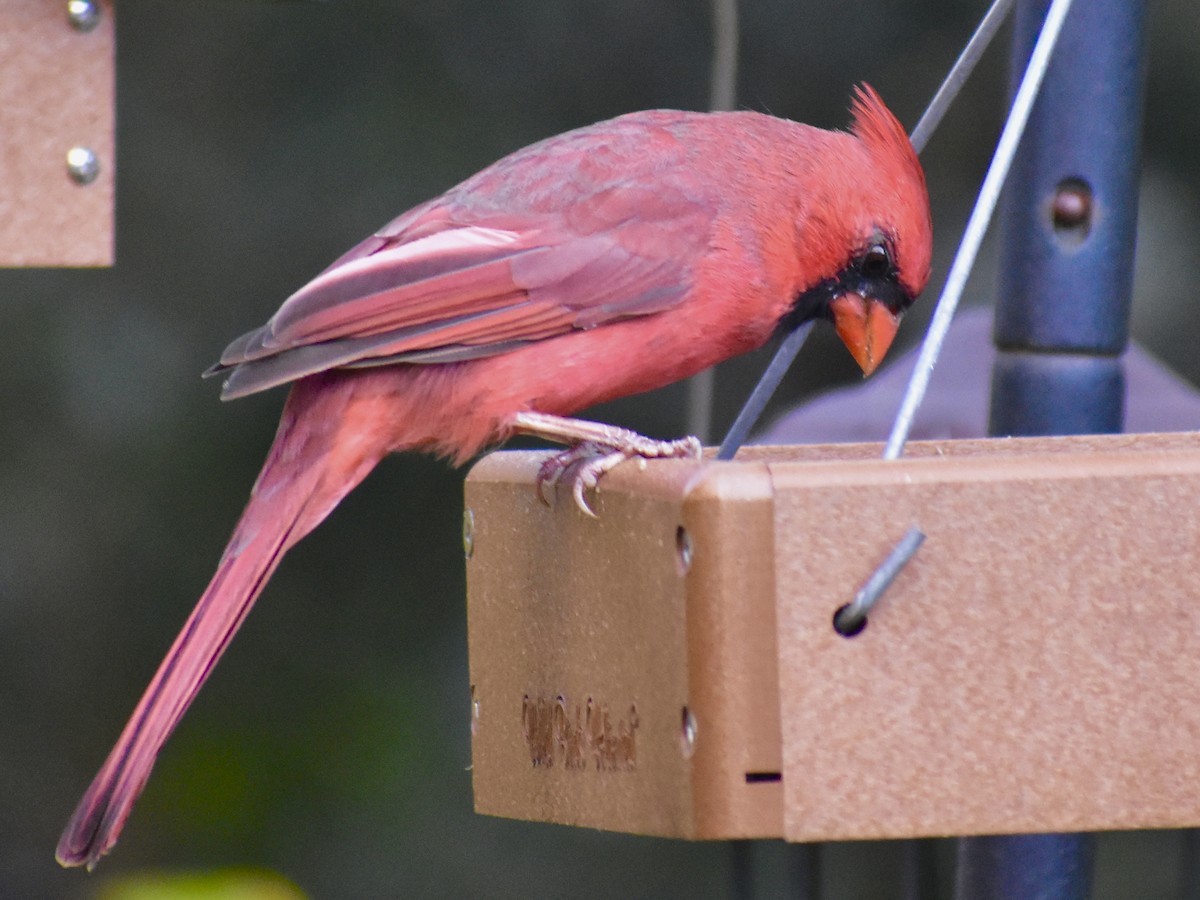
point(82, 165)
point(683, 549)
point(468, 533)
point(84, 15)
point(687, 734)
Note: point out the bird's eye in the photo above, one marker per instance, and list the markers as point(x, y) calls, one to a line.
point(876, 262)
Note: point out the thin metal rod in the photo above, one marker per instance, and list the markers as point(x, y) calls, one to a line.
point(763, 391)
point(959, 73)
point(977, 225)
point(723, 85)
point(849, 619)
point(753, 408)
point(722, 96)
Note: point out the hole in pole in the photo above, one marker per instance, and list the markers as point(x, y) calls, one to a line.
point(1072, 210)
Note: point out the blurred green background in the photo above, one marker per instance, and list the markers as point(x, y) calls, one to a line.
point(257, 141)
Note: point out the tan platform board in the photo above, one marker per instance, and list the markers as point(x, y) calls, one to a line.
point(1036, 667)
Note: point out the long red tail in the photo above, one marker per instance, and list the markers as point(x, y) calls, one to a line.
point(307, 472)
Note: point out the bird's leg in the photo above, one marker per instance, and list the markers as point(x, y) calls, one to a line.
point(596, 448)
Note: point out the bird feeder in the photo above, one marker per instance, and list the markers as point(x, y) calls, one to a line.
point(671, 667)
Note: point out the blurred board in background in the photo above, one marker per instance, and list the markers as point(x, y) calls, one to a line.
point(56, 104)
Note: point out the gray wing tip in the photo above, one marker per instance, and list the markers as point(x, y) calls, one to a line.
point(261, 374)
point(235, 387)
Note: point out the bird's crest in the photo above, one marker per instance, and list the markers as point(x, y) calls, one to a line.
point(879, 130)
point(889, 147)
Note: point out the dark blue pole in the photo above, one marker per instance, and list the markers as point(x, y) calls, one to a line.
point(1025, 867)
point(1069, 224)
point(1069, 221)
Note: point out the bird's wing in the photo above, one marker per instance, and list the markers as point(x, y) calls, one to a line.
point(447, 282)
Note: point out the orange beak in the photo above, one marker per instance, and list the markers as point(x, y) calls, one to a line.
point(866, 327)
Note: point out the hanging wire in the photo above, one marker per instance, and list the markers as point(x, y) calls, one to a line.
point(985, 205)
point(722, 96)
point(763, 391)
point(753, 408)
point(850, 619)
point(959, 73)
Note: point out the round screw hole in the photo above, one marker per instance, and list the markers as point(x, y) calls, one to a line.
point(845, 626)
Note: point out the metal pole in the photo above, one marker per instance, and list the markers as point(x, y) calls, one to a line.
point(1069, 222)
point(1025, 867)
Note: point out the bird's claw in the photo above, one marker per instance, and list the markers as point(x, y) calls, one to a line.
point(553, 468)
point(587, 461)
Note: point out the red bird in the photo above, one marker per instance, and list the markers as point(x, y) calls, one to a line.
point(603, 262)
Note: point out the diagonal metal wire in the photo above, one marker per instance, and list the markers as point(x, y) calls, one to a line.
point(753, 408)
point(763, 391)
point(959, 73)
point(981, 215)
point(985, 204)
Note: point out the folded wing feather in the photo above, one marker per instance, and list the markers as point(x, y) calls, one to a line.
point(441, 292)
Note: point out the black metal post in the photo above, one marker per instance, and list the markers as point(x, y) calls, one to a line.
point(1069, 225)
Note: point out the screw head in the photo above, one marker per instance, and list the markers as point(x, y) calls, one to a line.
point(687, 733)
point(468, 533)
point(84, 15)
point(82, 165)
point(684, 550)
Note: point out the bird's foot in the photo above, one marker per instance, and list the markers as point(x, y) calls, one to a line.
point(582, 465)
point(595, 449)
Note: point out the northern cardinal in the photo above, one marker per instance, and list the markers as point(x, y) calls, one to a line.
point(603, 262)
